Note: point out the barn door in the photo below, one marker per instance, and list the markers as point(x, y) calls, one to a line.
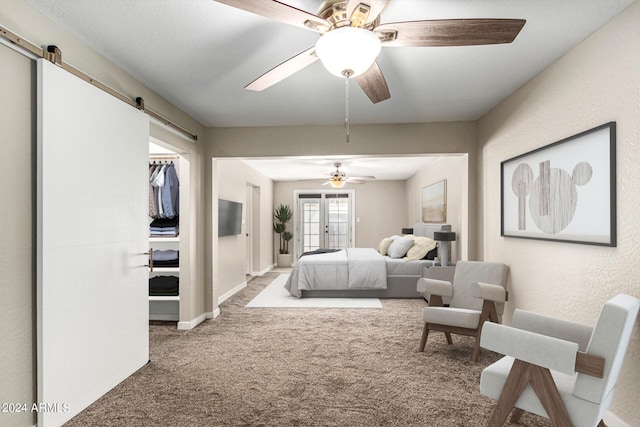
point(92, 298)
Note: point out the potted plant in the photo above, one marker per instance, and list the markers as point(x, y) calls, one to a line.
point(281, 216)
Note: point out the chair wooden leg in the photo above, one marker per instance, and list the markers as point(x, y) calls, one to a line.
point(541, 381)
point(517, 380)
point(516, 415)
point(601, 424)
point(476, 349)
point(546, 390)
point(448, 337)
point(425, 335)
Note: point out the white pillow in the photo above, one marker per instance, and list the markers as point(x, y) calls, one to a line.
point(421, 246)
point(384, 244)
point(399, 247)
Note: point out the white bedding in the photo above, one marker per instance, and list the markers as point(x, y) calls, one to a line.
point(353, 268)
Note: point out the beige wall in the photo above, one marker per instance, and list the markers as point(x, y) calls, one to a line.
point(384, 139)
point(380, 206)
point(17, 307)
point(596, 82)
point(17, 252)
point(455, 170)
point(230, 180)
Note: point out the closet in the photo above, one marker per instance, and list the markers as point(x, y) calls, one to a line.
point(164, 235)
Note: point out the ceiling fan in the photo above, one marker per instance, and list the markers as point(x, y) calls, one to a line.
point(337, 178)
point(352, 38)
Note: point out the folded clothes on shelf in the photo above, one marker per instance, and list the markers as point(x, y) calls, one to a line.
point(164, 227)
point(164, 286)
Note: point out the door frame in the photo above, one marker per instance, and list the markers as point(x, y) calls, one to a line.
point(297, 250)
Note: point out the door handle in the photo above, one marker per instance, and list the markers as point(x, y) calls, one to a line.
point(150, 265)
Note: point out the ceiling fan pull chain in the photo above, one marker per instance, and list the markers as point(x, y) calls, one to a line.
point(347, 74)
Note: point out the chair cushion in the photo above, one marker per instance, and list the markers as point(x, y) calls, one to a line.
point(581, 412)
point(460, 317)
point(610, 339)
point(468, 272)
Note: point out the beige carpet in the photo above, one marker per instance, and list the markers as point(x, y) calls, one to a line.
point(302, 367)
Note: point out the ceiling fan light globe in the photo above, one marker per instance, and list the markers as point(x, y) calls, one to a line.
point(348, 50)
point(337, 183)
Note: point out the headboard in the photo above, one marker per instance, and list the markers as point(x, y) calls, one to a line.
point(427, 230)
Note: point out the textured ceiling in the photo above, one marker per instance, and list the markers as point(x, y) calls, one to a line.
point(199, 55)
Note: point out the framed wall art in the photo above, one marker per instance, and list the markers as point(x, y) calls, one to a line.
point(565, 191)
point(434, 202)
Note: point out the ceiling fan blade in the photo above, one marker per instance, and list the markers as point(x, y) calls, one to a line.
point(281, 12)
point(449, 32)
point(375, 8)
point(284, 70)
point(373, 84)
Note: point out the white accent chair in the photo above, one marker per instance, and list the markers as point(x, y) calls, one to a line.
point(477, 294)
point(557, 369)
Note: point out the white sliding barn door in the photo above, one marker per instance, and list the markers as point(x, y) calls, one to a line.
point(92, 288)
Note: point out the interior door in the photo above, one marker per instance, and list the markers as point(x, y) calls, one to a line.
point(92, 201)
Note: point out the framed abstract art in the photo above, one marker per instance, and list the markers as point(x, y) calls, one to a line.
point(434, 202)
point(564, 191)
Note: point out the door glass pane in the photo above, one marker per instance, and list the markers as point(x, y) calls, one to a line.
point(338, 223)
point(325, 222)
point(310, 209)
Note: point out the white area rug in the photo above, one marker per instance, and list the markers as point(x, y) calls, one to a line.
point(275, 295)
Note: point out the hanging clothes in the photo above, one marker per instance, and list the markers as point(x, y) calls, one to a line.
point(153, 210)
point(158, 183)
point(164, 191)
point(170, 192)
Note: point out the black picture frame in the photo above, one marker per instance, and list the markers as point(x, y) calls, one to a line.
point(564, 191)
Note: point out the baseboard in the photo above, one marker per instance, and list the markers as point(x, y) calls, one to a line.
point(185, 326)
point(222, 298)
point(261, 272)
point(612, 421)
point(213, 314)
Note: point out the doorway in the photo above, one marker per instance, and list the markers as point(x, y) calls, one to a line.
point(325, 220)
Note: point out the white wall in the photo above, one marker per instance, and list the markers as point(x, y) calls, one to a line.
point(596, 82)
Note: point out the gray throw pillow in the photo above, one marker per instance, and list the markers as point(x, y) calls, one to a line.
point(399, 247)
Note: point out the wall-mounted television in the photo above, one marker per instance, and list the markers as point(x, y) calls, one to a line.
point(229, 218)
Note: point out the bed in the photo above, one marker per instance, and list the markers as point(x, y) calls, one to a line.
point(360, 272)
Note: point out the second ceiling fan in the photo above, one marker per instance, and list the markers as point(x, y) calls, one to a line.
point(352, 37)
point(338, 178)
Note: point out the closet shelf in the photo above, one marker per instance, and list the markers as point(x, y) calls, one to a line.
point(164, 239)
point(159, 298)
point(166, 269)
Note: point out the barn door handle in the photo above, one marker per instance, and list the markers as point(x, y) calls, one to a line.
point(150, 253)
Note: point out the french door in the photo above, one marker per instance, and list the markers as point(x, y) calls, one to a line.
point(325, 220)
